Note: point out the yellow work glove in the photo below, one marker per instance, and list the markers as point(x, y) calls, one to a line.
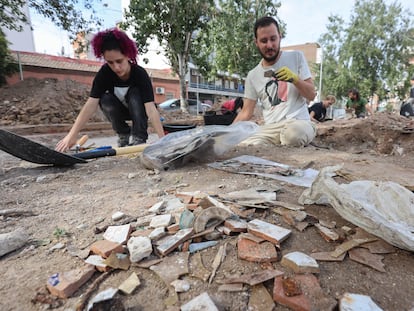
point(285, 74)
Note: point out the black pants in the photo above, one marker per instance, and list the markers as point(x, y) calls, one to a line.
point(407, 109)
point(117, 113)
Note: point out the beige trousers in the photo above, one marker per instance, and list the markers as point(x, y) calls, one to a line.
point(296, 133)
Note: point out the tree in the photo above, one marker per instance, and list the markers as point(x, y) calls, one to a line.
point(372, 53)
point(227, 44)
point(68, 15)
point(65, 14)
point(7, 65)
point(172, 23)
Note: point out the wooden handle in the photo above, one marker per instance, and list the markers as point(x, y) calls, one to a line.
point(82, 140)
point(130, 149)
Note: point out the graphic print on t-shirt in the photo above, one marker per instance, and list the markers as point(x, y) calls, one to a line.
point(276, 92)
point(120, 93)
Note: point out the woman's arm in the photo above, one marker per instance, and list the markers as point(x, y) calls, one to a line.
point(154, 117)
point(88, 110)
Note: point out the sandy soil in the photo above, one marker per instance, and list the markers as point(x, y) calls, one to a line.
point(75, 200)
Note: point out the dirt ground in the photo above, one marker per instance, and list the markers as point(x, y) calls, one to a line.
point(69, 203)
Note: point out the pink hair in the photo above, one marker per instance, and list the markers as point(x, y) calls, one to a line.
point(114, 39)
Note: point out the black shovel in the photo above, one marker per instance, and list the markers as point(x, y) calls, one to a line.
point(31, 151)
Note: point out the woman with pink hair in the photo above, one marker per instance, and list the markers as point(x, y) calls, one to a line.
point(123, 91)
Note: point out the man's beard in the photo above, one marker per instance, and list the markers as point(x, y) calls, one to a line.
point(271, 58)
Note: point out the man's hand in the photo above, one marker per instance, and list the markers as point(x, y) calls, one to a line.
point(285, 74)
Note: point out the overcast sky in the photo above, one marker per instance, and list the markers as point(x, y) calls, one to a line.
point(305, 22)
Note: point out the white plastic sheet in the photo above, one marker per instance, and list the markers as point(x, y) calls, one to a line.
point(385, 209)
point(201, 144)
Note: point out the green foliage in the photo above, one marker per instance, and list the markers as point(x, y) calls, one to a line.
point(11, 14)
point(371, 53)
point(7, 65)
point(172, 23)
point(227, 43)
point(59, 232)
point(217, 36)
point(64, 14)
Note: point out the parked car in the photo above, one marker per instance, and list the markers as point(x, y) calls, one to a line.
point(174, 104)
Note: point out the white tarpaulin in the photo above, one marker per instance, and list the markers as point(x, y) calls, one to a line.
point(385, 209)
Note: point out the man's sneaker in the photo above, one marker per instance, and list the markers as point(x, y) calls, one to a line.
point(123, 140)
point(135, 140)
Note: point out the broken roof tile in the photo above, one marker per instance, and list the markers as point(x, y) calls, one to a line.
point(268, 231)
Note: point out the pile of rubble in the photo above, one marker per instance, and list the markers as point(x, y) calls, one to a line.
point(45, 101)
point(171, 237)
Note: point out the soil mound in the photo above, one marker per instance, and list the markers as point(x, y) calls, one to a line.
point(43, 101)
point(52, 101)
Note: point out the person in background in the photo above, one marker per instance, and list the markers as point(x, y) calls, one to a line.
point(282, 84)
point(317, 111)
point(357, 104)
point(123, 91)
point(407, 107)
point(232, 105)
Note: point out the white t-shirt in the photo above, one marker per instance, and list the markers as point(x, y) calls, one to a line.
point(292, 105)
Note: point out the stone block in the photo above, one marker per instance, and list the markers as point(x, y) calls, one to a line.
point(202, 302)
point(139, 248)
point(161, 221)
point(300, 263)
point(355, 302)
point(129, 285)
point(118, 234)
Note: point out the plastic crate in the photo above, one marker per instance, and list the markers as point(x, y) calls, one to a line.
point(219, 119)
point(170, 128)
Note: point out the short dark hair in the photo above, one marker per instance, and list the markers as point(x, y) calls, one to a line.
point(263, 22)
point(355, 92)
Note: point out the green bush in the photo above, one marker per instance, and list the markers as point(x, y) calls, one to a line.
point(8, 65)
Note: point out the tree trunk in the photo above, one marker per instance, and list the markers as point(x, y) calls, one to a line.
point(182, 66)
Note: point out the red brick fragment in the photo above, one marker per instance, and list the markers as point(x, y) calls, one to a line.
point(185, 198)
point(104, 248)
point(311, 298)
point(235, 225)
point(173, 228)
point(256, 252)
point(64, 284)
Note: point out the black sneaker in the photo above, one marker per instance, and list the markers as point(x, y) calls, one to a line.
point(123, 140)
point(135, 140)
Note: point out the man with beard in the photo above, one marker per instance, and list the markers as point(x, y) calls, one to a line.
point(282, 84)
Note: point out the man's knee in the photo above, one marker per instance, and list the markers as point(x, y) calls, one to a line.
point(298, 134)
